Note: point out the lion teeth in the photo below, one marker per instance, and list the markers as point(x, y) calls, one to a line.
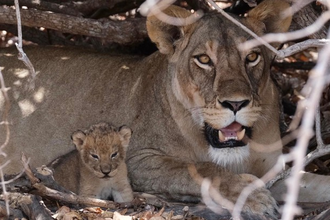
point(240, 134)
point(222, 137)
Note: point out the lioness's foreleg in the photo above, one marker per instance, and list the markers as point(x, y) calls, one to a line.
point(170, 178)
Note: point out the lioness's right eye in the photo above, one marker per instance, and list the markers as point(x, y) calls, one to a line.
point(203, 61)
point(253, 58)
point(95, 156)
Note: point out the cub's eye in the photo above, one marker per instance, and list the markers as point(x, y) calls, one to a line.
point(203, 61)
point(252, 58)
point(114, 155)
point(95, 156)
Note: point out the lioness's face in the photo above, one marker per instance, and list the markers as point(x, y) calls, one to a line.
point(226, 90)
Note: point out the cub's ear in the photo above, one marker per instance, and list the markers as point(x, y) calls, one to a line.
point(125, 133)
point(270, 13)
point(78, 138)
point(164, 34)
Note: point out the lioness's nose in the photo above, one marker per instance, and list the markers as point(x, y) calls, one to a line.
point(235, 106)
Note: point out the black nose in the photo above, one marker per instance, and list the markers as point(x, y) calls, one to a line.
point(106, 173)
point(235, 106)
point(105, 170)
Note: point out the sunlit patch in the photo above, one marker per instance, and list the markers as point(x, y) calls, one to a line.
point(65, 58)
point(26, 107)
point(21, 73)
point(9, 54)
point(17, 83)
point(39, 95)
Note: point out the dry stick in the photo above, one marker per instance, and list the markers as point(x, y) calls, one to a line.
point(5, 113)
point(150, 7)
point(43, 190)
point(21, 55)
point(315, 85)
point(283, 37)
point(301, 46)
point(296, 6)
point(321, 150)
point(6, 123)
point(236, 22)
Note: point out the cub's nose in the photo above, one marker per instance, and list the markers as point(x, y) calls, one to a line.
point(106, 173)
point(235, 106)
point(106, 170)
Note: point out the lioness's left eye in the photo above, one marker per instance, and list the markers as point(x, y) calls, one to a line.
point(253, 58)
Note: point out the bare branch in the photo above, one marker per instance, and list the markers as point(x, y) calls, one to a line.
point(60, 196)
point(122, 32)
point(301, 46)
point(283, 37)
point(151, 7)
point(257, 38)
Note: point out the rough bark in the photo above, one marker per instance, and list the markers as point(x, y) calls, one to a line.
point(30, 205)
point(305, 17)
point(122, 32)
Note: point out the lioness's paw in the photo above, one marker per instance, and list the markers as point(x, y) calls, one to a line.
point(262, 203)
point(259, 202)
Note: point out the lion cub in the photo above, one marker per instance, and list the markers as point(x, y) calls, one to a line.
point(97, 168)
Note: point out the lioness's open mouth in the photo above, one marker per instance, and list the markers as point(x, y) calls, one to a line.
point(230, 136)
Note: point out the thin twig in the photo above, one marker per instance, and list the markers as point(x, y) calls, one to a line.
point(239, 24)
point(4, 192)
point(318, 132)
point(21, 55)
point(151, 7)
point(284, 37)
point(45, 191)
point(313, 91)
point(5, 143)
point(301, 46)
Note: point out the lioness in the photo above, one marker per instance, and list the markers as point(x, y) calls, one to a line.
point(97, 167)
point(199, 100)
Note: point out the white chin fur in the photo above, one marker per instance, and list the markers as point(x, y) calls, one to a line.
point(230, 158)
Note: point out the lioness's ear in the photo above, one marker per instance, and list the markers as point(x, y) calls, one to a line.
point(125, 133)
point(270, 13)
point(78, 138)
point(164, 34)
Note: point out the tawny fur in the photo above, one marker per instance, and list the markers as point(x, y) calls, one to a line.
point(165, 97)
point(97, 168)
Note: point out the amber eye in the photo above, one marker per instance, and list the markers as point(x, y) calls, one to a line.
point(203, 59)
point(252, 57)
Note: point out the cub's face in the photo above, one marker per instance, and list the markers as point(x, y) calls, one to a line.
point(102, 148)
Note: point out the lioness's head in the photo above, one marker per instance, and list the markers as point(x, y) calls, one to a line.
point(102, 148)
point(228, 92)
